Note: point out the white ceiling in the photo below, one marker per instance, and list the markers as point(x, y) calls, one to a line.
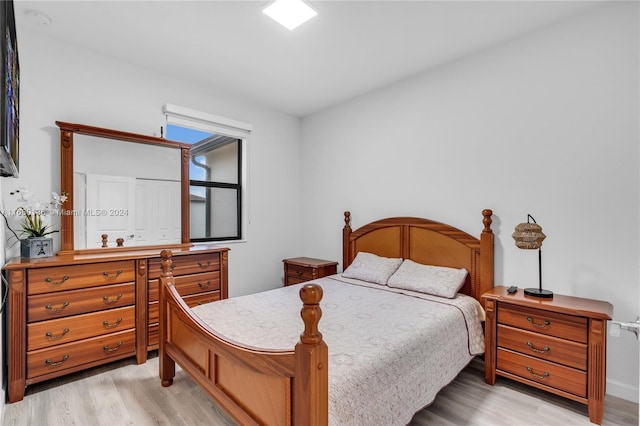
point(350, 48)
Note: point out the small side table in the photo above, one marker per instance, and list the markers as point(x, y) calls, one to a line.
point(558, 344)
point(301, 269)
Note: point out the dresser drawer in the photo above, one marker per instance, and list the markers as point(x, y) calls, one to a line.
point(550, 348)
point(64, 330)
point(61, 278)
point(61, 357)
point(188, 284)
point(153, 335)
point(183, 265)
point(153, 312)
point(191, 301)
point(66, 303)
point(543, 372)
point(539, 321)
point(201, 298)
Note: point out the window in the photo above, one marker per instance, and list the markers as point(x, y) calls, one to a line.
point(216, 173)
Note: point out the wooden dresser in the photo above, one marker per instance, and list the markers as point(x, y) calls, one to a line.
point(557, 344)
point(74, 311)
point(301, 269)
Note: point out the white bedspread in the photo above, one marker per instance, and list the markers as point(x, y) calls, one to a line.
point(389, 353)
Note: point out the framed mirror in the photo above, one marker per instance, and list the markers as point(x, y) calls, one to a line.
point(125, 190)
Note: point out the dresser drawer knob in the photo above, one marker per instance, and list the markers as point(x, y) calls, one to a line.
point(544, 374)
point(539, 325)
point(52, 282)
point(106, 348)
point(59, 336)
point(204, 265)
point(106, 324)
point(540, 351)
point(60, 309)
point(299, 272)
point(53, 364)
point(112, 277)
point(204, 285)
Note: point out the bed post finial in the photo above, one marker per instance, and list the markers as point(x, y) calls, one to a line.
point(311, 393)
point(166, 262)
point(311, 294)
point(486, 255)
point(346, 233)
point(486, 213)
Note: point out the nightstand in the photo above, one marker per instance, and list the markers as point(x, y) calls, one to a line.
point(301, 269)
point(558, 344)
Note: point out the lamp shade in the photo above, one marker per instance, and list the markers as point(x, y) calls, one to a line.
point(528, 236)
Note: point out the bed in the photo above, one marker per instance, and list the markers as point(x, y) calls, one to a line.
point(294, 376)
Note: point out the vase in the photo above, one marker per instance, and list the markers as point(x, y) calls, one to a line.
point(36, 247)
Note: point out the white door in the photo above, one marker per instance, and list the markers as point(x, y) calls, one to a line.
point(110, 209)
point(146, 204)
point(169, 215)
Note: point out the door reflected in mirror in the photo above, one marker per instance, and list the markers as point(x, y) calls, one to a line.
point(118, 189)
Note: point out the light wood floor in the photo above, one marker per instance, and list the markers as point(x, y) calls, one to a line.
point(124, 393)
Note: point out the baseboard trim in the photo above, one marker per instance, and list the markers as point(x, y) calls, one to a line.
point(622, 390)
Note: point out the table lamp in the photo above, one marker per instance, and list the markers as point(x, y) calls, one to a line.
point(529, 236)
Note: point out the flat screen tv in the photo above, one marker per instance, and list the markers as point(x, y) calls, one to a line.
point(9, 121)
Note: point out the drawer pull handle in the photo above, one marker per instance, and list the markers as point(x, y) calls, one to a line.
point(203, 265)
point(52, 282)
point(112, 277)
point(53, 364)
point(106, 348)
point(106, 324)
point(205, 302)
point(203, 285)
point(544, 374)
point(299, 272)
point(543, 325)
point(60, 309)
point(108, 301)
point(59, 336)
point(540, 351)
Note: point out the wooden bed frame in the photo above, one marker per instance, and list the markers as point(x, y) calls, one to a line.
point(257, 386)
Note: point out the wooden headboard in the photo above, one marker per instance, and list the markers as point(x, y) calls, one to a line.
point(428, 242)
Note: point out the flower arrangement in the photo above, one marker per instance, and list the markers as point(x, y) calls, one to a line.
point(32, 213)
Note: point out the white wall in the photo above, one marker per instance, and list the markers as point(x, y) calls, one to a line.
point(62, 82)
point(546, 124)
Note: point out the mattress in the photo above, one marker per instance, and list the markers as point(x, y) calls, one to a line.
point(390, 350)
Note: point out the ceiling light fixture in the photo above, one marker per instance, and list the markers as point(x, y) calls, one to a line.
point(290, 13)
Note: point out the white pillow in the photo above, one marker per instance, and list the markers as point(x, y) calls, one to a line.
point(436, 280)
point(372, 268)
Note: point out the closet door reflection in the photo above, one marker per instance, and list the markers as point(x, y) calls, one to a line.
point(119, 189)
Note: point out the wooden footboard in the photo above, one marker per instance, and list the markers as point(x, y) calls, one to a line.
point(253, 386)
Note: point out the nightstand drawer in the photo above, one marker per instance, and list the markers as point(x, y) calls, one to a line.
point(540, 321)
point(543, 372)
point(550, 348)
point(300, 273)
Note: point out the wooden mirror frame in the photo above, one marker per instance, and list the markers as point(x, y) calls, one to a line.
point(67, 130)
